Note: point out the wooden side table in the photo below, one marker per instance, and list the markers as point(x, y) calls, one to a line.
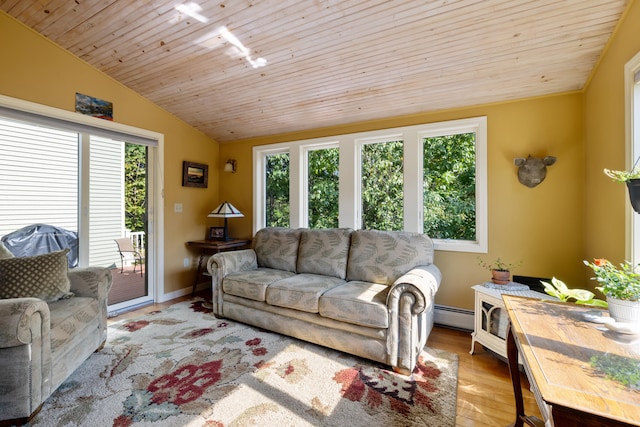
point(210, 247)
point(490, 318)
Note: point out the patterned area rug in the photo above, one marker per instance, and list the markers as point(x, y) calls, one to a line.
point(183, 367)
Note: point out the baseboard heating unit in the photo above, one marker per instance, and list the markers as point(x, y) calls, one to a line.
point(453, 317)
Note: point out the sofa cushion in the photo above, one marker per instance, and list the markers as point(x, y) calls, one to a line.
point(68, 318)
point(4, 252)
point(277, 248)
point(40, 276)
point(252, 284)
point(360, 303)
point(300, 292)
point(383, 256)
point(324, 252)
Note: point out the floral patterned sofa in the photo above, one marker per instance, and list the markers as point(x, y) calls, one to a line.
point(368, 293)
point(51, 320)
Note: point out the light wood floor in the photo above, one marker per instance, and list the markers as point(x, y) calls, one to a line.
point(485, 395)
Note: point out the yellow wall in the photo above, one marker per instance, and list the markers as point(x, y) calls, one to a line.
point(540, 226)
point(34, 69)
point(604, 98)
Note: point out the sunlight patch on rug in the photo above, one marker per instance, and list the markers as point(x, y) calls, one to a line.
point(182, 366)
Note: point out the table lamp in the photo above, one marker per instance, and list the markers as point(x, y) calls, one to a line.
point(225, 210)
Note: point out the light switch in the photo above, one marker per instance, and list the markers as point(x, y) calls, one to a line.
point(177, 207)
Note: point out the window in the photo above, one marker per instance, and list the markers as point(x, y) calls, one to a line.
point(277, 190)
point(427, 178)
point(322, 187)
point(632, 94)
point(382, 175)
point(449, 186)
point(67, 170)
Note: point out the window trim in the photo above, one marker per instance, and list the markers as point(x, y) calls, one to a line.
point(304, 175)
point(349, 167)
point(156, 175)
point(632, 152)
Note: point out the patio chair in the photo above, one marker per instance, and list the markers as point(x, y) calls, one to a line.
point(128, 251)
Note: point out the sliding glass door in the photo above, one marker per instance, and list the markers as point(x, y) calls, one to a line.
point(91, 185)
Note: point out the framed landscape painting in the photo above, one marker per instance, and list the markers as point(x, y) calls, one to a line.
point(95, 107)
point(195, 175)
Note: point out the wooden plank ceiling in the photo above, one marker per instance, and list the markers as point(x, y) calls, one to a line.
point(243, 68)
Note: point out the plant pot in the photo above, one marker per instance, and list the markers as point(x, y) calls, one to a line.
point(633, 186)
point(623, 310)
point(500, 277)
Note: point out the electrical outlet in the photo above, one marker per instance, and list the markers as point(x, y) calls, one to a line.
point(187, 262)
point(177, 207)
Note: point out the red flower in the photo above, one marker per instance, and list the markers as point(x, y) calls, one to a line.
point(253, 342)
point(600, 262)
point(198, 333)
point(260, 351)
point(186, 384)
point(135, 326)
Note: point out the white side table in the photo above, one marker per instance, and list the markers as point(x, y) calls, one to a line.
point(490, 318)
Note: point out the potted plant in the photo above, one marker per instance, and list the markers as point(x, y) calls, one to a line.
point(558, 289)
point(621, 286)
point(632, 179)
point(500, 270)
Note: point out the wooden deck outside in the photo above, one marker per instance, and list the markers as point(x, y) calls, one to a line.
point(126, 285)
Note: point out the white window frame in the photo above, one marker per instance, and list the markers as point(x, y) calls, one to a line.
point(379, 138)
point(155, 225)
point(632, 152)
point(306, 149)
point(350, 179)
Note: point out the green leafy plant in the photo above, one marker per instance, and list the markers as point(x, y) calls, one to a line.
point(622, 176)
point(560, 290)
point(498, 264)
point(620, 283)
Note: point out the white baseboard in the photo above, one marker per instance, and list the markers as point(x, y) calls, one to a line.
point(182, 292)
point(453, 317)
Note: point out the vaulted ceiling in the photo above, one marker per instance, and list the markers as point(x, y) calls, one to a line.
point(243, 68)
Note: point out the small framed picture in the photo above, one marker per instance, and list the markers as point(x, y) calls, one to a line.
point(195, 175)
point(216, 233)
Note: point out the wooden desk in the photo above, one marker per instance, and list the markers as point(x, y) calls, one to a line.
point(210, 247)
point(567, 359)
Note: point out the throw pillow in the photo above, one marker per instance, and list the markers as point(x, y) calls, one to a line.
point(4, 252)
point(40, 276)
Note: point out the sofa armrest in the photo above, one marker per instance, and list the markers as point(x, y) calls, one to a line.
point(409, 297)
point(224, 263)
point(92, 282)
point(422, 282)
point(23, 321)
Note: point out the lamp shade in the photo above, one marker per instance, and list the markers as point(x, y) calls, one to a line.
point(225, 210)
point(230, 166)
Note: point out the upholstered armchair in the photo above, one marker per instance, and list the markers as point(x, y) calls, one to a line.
point(51, 320)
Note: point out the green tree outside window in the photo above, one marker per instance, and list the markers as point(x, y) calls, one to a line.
point(450, 186)
point(277, 190)
point(135, 186)
point(323, 192)
point(382, 186)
